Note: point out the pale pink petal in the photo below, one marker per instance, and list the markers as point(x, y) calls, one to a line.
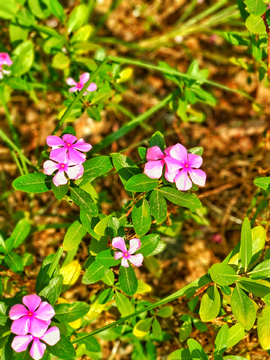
point(124, 262)
point(51, 336)
point(195, 161)
point(167, 150)
point(71, 81)
point(38, 327)
point(92, 87)
point(76, 157)
point(118, 255)
point(53, 140)
point(172, 165)
point(119, 243)
point(153, 169)
point(37, 349)
point(20, 343)
point(84, 78)
point(32, 302)
point(134, 245)
point(82, 146)
point(154, 153)
point(50, 167)
point(59, 178)
point(17, 311)
point(75, 172)
point(73, 89)
point(179, 152)
point(197, 176)
point(70, 139)
point(182, 180)
point(136, 260)
point(21, 326)
point(44, 312)
point(170, 176)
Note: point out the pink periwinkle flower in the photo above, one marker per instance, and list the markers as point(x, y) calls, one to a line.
point(78, 86)
point(4, 60)
point(183, 168)
point(154, 166)
point(34, 317)
point(50, 337)
point(126, 255)
point(68, 146)
point(73, 170)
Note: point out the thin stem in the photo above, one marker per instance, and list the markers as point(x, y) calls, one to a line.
point(268, 46)
point(55, 261)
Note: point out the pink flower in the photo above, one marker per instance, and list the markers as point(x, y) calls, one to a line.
point(34, 318)
point(50, 337)
point(154, 166)
point(78, 86)
point(134, 245)
point(4, 60)
point(73, 171)
point(183, 167)
point(70, 146)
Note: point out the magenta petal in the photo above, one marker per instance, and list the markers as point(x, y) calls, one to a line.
point(124, 262)
point(134, 245)
point(172, 165)
point(153, 169)
point(20, 343)
point(59, 155)
point(82, 146)
point(182, 180)
point(51, 336)
point(70, 139)
point(197, 176)
point(71, 82)
point(136, 260)
point(38, 327)
point(73, 89)
point(194, 161)
point(75, 172)
point(50, 167)
point(44, 312)
point(119, 243)
point(59, 178)
point(53, 140)
point(21, 326)
point(118, 255)
point(92, 87)
point(154, 153)
point(17, 311)
point(84, 78)
point(76, 157)
point(167, 150)
point(37, 349)
point(179, 152)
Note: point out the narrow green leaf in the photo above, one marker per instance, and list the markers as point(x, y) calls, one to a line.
point(263, 182)
point(73, 236)
point(210, 304)
point(246, 244)
point(60, 191)
point(94, 168)
point(125, 167)
point(264, 329)
point(90, 343)
point(185, 330)
point(94, 273)
point(243, 308)
point(254, 286)
point(142, 328)
point(236, 334)
point(33, 183)
point(84, 201)
point(148, 244)
point(14, 261)
point(141, 183)
point(221, 339)
point(158, 206)
point(52, 292)
point(157, 331)
point(223, 274)
point(196, 350)
point(18, 235)
point(141, 217)
point(261, 271)
point(106, 258)
point(77, 18)
point(128, 280)
point(66, 313)
point(123, 304)
point(180, 198)
point(157, 139)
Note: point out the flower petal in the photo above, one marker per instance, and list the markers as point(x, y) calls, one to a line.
point(44, 312)
point(170, 176)
point(134, 245)
point(119, 243)
point(92, 87)
point(38, 327)
point(59, 155)
point(124, 262)
point(75, 172)
point(50, 167)
point(172, 165)
point(53, 140)
point(59, 178)
point(37, 349)
point(73, 89)
point(51, 336)
point(70, 139)
point(197, 176)
point(153, 169)
point(154, 153)
point(71, 81)
point(195, 161)
point(21, 326)
point(17, 311)
point(32, 302)
point(76, 157)
point(20, 343)
point(167, 150)
point(118, 255)
point(182, 180)
point(136, 260)
point(84, 78)
point(82, 146)
point(179, 152)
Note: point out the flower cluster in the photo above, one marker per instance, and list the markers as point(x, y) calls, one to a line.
point(78, 86)
point(4, 60)
point(66, 157)
point(181, 168)
point(126, 255)
point(31, 323)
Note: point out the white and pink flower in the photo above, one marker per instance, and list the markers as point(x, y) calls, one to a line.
point(79, 86)
point(127, 255)
point(4, 60)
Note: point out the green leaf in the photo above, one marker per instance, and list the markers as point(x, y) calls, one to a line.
point(236, 334)
point(60, 61)
point(180, 198)
point(158, 206)
point(106, 258)
point(17, 83)
point(109, 278)
point(127, 280)
point(221, 339)
point(125, 167)
point(157, 331)
point(105, 296)
point(66, 313)
point(77, 18)
point(123, 304)
point(196, 150)
point(157, 139)
point(243, 308)
point(148, 244)
point(54, 44)
point(52, 292)
point(196, 350)
point(24, 59)
point(210, 304)
point(141, 183)
point(142, 328)
point(101, 226)
point(264, 329)
point(33, 183)
point(141, 217)
point(63, 349)
point(8, 9)
point(89, 223)
point(82, 34)
point(14, 261)
point(254, 286)
point(94, 273)
point(101, 96)
point(255, 24)
point(263, 182)
point(56, 8)
point(246, 244)
point(60, 191)
point(73, 236)
point(223, 274)
point(94, 168)
point(256, 7)
point(36, 9)
point(182, 354)
point(261, 271)
point(90, 342)
point(160, 247)
point(84, 201)
point(142, 152)
point(18, 235)
point(185, 330)
point(258, 242)
point(165, 311)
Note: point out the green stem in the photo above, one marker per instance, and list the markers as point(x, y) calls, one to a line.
point(55, 261)
point(188, 290)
